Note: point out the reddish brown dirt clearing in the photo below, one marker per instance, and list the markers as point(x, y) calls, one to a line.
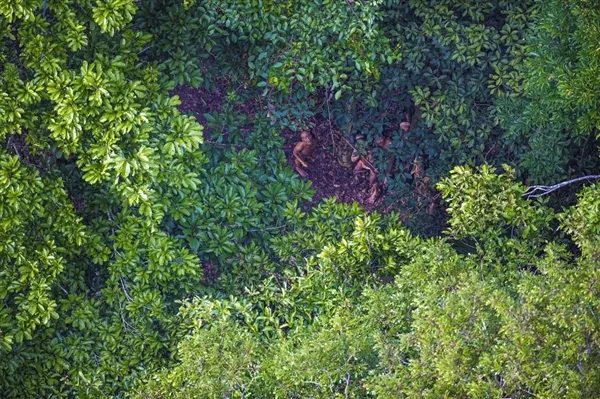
point(199, 101)
point(328, 177)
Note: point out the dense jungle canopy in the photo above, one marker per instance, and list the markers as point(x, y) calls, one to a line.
point(160, 236)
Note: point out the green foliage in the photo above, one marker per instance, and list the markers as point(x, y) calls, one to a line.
point(325, 361)
point(450, 325)
point(470, 195)
point(364, 66)
point(154, 207)
point(144, 254)
point(456, 60)
point(31, 206)
point(548, 156)
point(583, 222)
point(89, 271)
point(218, 361)
point(561, 91)
point(474, 334)
point(565, 66)
point(284, 45)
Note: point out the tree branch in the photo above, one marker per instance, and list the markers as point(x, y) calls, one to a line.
point(539, 191)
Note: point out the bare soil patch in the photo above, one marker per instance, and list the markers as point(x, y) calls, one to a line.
point(329, 178)
point(199, 101)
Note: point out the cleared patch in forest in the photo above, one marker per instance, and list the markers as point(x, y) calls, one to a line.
point(329, 178)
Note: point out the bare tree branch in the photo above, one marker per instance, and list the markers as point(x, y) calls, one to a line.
point(129, 298)
point(539, 191)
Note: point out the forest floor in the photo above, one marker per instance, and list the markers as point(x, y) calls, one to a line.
point(199, 101)
point(329, 178)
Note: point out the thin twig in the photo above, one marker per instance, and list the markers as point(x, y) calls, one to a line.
point(365, 160)
point(314, 383)
point(347, 385)
point(268, 228)
point(539, 191)
point(327, 99)
point(144, 50)
point(129, 298)
point(126, 324)
point(214, 143)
